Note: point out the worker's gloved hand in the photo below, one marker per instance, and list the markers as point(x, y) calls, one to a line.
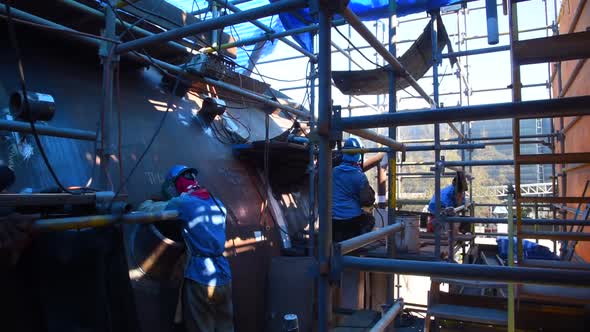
point(15, 232)
point(449, 212)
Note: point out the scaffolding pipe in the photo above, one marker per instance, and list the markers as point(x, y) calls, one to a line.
point(414, 148)
point(324, 168)
point(208, 25)
point(469, 271)
point(391, 157)
point(350, 245)
point(373, 136)
point(476, 51)
point(269, 30)
point(388, 317)
point(25, 127)
point(518, 110)
point(62, 224)
point(438, 168)
point(98, 14)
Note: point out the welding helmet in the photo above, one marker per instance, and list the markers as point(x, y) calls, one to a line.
point(169, 186)
point(352, 143)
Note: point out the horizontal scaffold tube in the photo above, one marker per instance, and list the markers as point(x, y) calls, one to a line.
point(521, 110)
point(25, 127)
point(388, 317)
point(468, 271)
point(362, 240)
point(62, 224)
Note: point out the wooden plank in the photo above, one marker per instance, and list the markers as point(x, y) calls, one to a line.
point(558, 158)
point(574, 236)
point(555, 264)
point(562, 200)
point(469, 314)
point(552, 49)
point(554, 294)
point(471, 283)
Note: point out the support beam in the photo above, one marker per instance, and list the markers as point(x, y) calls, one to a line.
point(560, 199)
point(557, 48)
point(559, 158)
point(469, 271)
point(217, 23)
point(518, 110)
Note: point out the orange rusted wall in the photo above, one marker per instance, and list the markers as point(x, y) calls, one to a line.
point(575, 17)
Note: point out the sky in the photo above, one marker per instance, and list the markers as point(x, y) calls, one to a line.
point(487, 71)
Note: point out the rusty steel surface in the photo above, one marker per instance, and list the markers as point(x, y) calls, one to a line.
point(73, 79)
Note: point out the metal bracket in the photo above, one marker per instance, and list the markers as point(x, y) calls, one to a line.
point(335, 133)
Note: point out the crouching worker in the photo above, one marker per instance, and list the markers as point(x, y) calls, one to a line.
point(451, 197)
point(350, 193)
point(206, 290)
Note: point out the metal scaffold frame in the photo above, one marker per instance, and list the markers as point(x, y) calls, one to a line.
point(332, 258)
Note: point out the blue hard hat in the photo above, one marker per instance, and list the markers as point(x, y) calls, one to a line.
point(352, 143)
point(177, 170)
point(169, 187)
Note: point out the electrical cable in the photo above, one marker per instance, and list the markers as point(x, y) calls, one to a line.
point(356, 48)
point(58, 29)
point(141, 19)
point(158, 128)
point(21, 77)
point(148, 12)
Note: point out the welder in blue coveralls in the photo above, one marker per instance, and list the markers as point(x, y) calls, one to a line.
point(206, 291)
point(350, 193)
point(451, 197)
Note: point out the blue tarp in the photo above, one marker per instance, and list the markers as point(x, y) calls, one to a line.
point(367, 10)
point(531, 250)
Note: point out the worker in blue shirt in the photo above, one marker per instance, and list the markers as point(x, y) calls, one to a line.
point(350, 193)
point(451, 197)
point(206, 290)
